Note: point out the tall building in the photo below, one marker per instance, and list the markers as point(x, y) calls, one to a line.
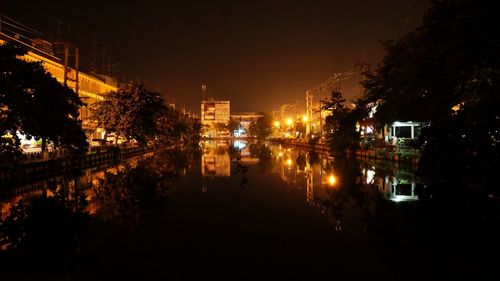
point(215, 115)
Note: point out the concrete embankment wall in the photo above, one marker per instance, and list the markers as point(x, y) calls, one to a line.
point(400, 157)
point(33, 171)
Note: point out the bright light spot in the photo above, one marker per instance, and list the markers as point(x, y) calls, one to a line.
point(289, 121)
point(305, 118)
point(370, 175)
point(289, 162)
point(238, 144)
point(280, 154)
point(332, 180)
point(277, 123)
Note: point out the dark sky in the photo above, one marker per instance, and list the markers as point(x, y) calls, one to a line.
point(258, 54)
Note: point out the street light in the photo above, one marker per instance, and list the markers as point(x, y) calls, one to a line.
point(277, 124)
point(305, 118)
point(289, 121)
point(332, 180)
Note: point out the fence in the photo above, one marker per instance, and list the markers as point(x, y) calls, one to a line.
point(29, 171)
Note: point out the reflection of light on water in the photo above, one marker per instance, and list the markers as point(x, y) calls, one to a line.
point(401, 190)
point(239, 144)
point(280, 154)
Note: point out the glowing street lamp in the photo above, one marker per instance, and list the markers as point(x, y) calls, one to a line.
point(277, 124)
point(305, 118)
point(289, 121)
point(332, 180)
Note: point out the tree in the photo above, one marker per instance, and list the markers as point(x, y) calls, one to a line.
point(262, 128)
point(35, 104)
point(447, 74)
point(233, 125)
point(132, 111)
point(175, 128)
point(340, 126)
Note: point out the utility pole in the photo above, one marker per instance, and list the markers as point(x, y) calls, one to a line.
point(77, 82)
point(309, 109)
point(66, 55)
point(77, 61)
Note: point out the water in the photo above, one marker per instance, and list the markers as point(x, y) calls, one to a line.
point(233, 210)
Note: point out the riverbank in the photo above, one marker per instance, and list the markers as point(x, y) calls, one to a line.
point(27, 172)
point(410, 157)
point(318, 147)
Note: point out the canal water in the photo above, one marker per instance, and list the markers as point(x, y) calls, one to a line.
point(227, 210)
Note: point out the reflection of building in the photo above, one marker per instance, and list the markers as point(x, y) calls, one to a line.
point(214, 113)
point(392, 188)
point(216, 165)
point(244, 120)
point(215, 160)
point(398, 190)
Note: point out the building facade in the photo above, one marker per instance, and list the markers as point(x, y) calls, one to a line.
point(244, 121)
point(214, 116)
point(89, 88)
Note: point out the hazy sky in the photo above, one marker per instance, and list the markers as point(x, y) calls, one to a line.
point(258, 54)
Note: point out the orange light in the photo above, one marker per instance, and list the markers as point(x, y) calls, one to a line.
point(332, 180)
point(289, 162)
point(289, 121)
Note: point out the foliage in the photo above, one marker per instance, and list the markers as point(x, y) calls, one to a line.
point(35, 104)
point(138, 113)
point(132, 111)
point(232, 125)
point(340, 126)
point(262, 128)
point(451, 60)
point(175, 128)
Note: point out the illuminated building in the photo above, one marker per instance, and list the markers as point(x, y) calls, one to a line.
point(244, 120)
point(90, 87)
point(212, 113)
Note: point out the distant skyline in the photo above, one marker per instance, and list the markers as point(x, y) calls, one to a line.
point(257, 54)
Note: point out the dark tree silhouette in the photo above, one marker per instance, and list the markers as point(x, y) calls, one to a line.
point(340, 126)
point(35, 104)
point(138, 113)
point(447, 73)
point(132, 111)
point(262, 128)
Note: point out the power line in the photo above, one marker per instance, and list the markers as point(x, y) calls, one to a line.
point(26, 28)
point(17, 27)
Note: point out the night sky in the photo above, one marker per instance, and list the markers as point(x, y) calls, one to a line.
point(258, 54)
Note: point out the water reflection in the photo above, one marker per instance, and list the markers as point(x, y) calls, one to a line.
point(336, 187)
point(41, 223)
point(215, 160)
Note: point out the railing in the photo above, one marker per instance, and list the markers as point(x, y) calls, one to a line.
point(55, 154)
point(33, 170)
